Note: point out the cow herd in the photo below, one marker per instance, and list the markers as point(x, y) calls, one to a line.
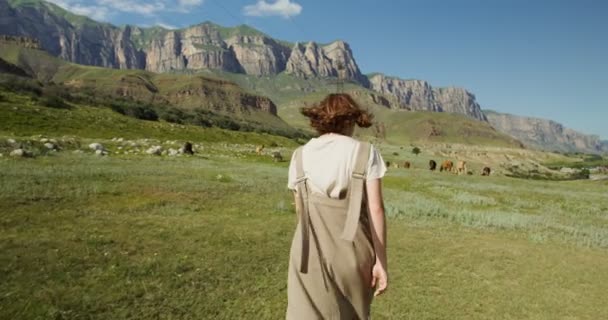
point(445, 166)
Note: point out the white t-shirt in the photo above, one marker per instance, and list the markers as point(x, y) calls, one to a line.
point(328, 163)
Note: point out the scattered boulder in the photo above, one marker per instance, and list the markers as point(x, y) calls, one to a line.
point(96, 146)
point(101, 153)
point(11, 141)
point(155, 150)
point(277, 157)
point(50, 146)
point(44, 140)
point(567, 170)
point(21, 153)
point(172, 152)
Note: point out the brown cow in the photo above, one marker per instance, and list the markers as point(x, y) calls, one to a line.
point(259, 149)
point(432, 165)
point(407, 164)
point(446, 165)
point(461, 167)
point(486, 171)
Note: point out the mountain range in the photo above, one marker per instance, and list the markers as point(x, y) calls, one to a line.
point(249, 52)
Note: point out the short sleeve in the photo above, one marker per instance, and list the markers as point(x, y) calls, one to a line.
point(291, 177)
point(376, 168)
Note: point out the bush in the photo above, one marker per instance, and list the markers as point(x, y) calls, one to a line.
point(141, 112)
point(416, 150)
point(54, 102)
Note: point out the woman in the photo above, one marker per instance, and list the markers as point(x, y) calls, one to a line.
point(338, 255)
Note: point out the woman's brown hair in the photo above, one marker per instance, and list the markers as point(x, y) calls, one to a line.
point(337, 113)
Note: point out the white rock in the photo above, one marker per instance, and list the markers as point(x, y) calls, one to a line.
point(101, 152)
point(53, 141)
point(20, 153)
point(96, 146)
point(50, 146)
point(44, 140)
point(11, 141)
point(120, 140)
point(173, 152)
point(155, 150)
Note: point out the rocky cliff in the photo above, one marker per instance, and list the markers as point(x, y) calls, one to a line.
point(545, 134)
point(240, 49)
point(420, 95)
point(333, 60)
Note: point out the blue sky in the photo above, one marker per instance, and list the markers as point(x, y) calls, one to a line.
point(535, 58)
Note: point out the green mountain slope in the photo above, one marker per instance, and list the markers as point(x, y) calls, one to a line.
point(399, 126)
point(184, 94)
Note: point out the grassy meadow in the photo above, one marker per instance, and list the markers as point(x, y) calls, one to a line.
point(135, 236)
point(140, 237)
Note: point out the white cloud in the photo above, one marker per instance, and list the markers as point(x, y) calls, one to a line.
point(92, 11)
point(130, 6)
point(104, 9)
point(184, 6)
point(166, 25)
point(189, 3)
point(283, 8)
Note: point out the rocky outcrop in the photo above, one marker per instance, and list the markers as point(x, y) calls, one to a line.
point(458, 100)
point(198, 47)
point(412, 94)
point(333, 60)
point(86, 42)
point(258, 55)
point(545, 134)
point(420, 95)
point(25, 42)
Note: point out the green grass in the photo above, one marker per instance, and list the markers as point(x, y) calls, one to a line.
point(186, 92)
point(24, 117)
point(208, 237)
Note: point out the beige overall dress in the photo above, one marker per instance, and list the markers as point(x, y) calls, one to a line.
point(332, 254)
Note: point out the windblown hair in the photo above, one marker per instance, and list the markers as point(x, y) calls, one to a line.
point(336, 113)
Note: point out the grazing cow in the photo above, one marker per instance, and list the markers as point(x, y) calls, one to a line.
point(446, 165)
point(432, 165)
point(486, 171)
point(259, 149)
point(461, 167)
point(388, 164)
point(407, 164)
point(277, 157)
point(187, 148)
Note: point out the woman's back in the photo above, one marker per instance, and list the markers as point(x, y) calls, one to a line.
point(328, 163)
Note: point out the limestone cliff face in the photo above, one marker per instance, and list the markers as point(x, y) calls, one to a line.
point(84, 42)
point(412, 94)
point(258, 55)
point(198, 47)
point(458, 100)
point(420, 95)
point(545, 134)
point(333, 60)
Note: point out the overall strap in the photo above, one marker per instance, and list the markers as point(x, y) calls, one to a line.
point(302, 204)
point(356, 192)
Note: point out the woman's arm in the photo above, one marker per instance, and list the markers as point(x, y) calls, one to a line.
point(378, 226)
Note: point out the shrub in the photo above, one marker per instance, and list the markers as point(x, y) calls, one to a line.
point(54, 102)
point(416, 150)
